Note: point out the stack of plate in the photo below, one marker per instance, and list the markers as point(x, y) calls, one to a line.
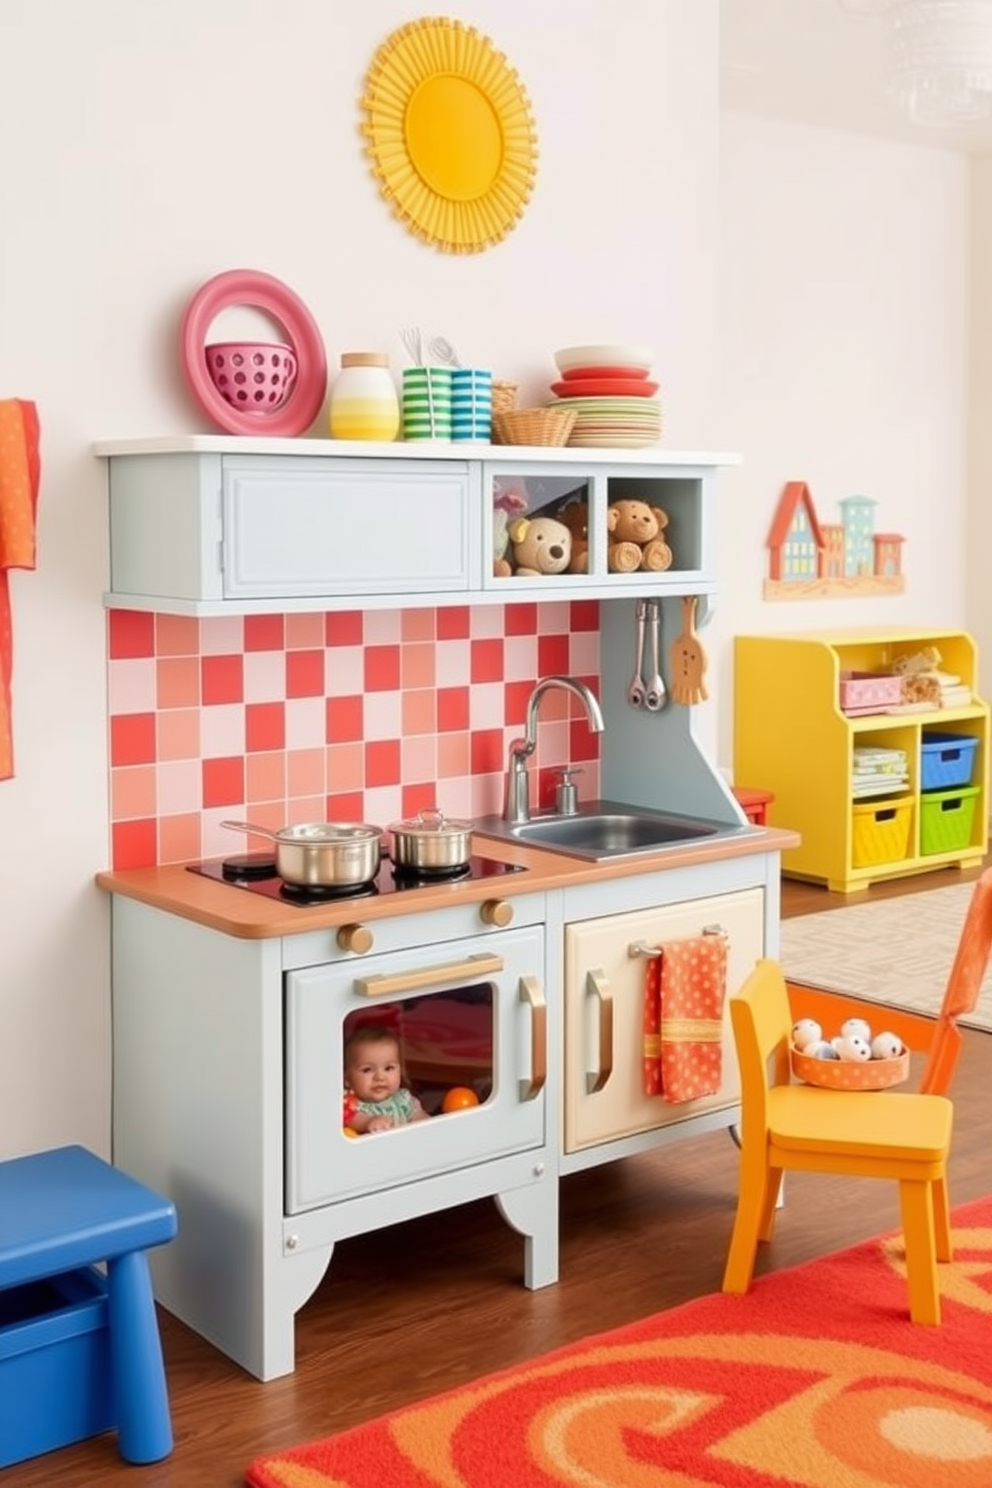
point(613, 399)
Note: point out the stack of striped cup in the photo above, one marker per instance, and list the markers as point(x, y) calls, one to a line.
point(427, 403)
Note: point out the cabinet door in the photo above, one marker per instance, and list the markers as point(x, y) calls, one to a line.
point(486, 1031)
point(604, 991)
point(306, 529)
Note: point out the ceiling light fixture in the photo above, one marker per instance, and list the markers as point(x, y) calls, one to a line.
point(938, 57)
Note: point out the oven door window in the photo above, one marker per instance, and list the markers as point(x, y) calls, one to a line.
point(442, 1045)
point(465, 1051)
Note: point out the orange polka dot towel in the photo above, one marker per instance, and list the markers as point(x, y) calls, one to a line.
point(20, 470)
point(684, 990)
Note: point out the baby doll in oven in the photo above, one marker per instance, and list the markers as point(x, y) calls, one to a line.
point(375, 1097)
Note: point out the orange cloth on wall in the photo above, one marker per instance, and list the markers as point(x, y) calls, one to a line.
point(20, 470)
point(684, 991)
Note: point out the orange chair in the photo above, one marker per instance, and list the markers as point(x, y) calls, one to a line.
point(866, 1134)
point(963, 987)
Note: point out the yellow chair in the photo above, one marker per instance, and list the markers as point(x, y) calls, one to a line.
point(865, 1134)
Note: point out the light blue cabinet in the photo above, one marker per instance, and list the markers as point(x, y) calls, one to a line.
point(210, 525)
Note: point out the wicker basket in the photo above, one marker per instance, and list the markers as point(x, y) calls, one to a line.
point(504, 396)
point(534, 426)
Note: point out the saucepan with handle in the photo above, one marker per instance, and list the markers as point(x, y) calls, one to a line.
point(325, 855)
point(431, 843)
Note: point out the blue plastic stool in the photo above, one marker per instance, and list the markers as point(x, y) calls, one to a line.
point(79, 1350)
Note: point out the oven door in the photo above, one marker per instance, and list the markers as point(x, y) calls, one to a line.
point(469, 1014)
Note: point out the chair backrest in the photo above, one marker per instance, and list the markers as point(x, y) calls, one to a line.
point(762, 1024)
point(964, 983)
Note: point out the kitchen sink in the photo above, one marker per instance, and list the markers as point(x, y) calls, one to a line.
point(605, 829)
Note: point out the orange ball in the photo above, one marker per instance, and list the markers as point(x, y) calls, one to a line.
point(459, 1098)
point(349, 1131)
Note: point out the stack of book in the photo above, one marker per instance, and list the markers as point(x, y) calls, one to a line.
point(953, 692)
point(878, 772)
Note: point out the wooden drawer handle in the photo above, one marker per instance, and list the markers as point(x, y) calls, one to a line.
point(428, 976)
point(357, 938)
point(496, 912)
point(600, 987)
point(532, 992)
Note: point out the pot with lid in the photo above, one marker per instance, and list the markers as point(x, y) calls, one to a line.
point(322, 855)
point(430, 842)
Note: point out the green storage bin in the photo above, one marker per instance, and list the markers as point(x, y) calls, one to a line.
point(946, 820)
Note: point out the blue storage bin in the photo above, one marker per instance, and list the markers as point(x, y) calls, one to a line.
point(54, 1364)
point(948, 760)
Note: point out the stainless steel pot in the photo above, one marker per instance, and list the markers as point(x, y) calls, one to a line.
point(326, 855)
point(430, 843)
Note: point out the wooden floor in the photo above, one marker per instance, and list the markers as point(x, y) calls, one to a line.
point(434, 1303)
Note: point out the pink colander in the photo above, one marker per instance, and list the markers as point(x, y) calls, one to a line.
point(253, 376)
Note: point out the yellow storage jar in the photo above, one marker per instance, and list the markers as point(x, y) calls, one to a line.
point(364, 402)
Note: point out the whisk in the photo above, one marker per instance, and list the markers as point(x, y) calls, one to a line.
point(413, 339)
point(443, 352)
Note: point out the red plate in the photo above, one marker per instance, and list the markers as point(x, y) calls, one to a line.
point(604, 387)
point(577, 373)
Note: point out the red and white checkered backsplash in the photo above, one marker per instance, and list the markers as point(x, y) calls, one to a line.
point(352, 716)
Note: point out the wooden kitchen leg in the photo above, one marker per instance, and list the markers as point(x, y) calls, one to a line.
point(533, 1213)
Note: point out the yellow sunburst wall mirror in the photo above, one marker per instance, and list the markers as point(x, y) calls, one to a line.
point(450, 134)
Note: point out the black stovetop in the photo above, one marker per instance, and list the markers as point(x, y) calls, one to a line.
point(257, 873)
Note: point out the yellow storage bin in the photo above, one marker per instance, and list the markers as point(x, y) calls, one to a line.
point(881, 831)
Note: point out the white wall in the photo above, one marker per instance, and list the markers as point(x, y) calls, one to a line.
point(843, 362)
point(147, 147)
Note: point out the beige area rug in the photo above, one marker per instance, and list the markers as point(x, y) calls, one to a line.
point(897, 951)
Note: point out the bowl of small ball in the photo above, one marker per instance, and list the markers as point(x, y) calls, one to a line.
point(833, 1071)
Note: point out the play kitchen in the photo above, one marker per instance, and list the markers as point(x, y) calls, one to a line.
point(517, 977)
point(511, 979)
point(520, 984)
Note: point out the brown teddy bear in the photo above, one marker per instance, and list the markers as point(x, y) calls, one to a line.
point(636, 541)
point(575, 516)
point(539, 545)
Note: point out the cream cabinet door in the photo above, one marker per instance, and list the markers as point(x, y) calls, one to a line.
point(604, 1008)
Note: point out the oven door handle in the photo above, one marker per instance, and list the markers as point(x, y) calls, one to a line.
point(600, 987)
point(429, 976)
point(532, 993)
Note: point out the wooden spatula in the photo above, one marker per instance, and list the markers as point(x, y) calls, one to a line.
point(688, 659)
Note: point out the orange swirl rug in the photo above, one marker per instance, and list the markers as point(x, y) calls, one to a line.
point(816, 1378)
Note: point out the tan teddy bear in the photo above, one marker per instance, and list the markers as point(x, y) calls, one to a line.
point(575, 516)
point(636, 540)
point(540, 545)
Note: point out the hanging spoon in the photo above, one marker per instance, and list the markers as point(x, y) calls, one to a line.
point(656, 696)
point(635, 692)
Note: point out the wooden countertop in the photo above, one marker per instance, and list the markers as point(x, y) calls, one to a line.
point(222, 907)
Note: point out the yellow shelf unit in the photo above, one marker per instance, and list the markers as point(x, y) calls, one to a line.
point(791, 735)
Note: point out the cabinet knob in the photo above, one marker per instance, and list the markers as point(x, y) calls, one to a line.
point(496, 912)
point(357, 938)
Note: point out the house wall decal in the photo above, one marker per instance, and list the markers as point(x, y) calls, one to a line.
point(810, 559)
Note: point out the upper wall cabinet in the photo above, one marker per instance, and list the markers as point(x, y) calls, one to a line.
point(210, 525)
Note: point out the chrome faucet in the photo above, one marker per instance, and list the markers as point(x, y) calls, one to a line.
point(516, 806)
